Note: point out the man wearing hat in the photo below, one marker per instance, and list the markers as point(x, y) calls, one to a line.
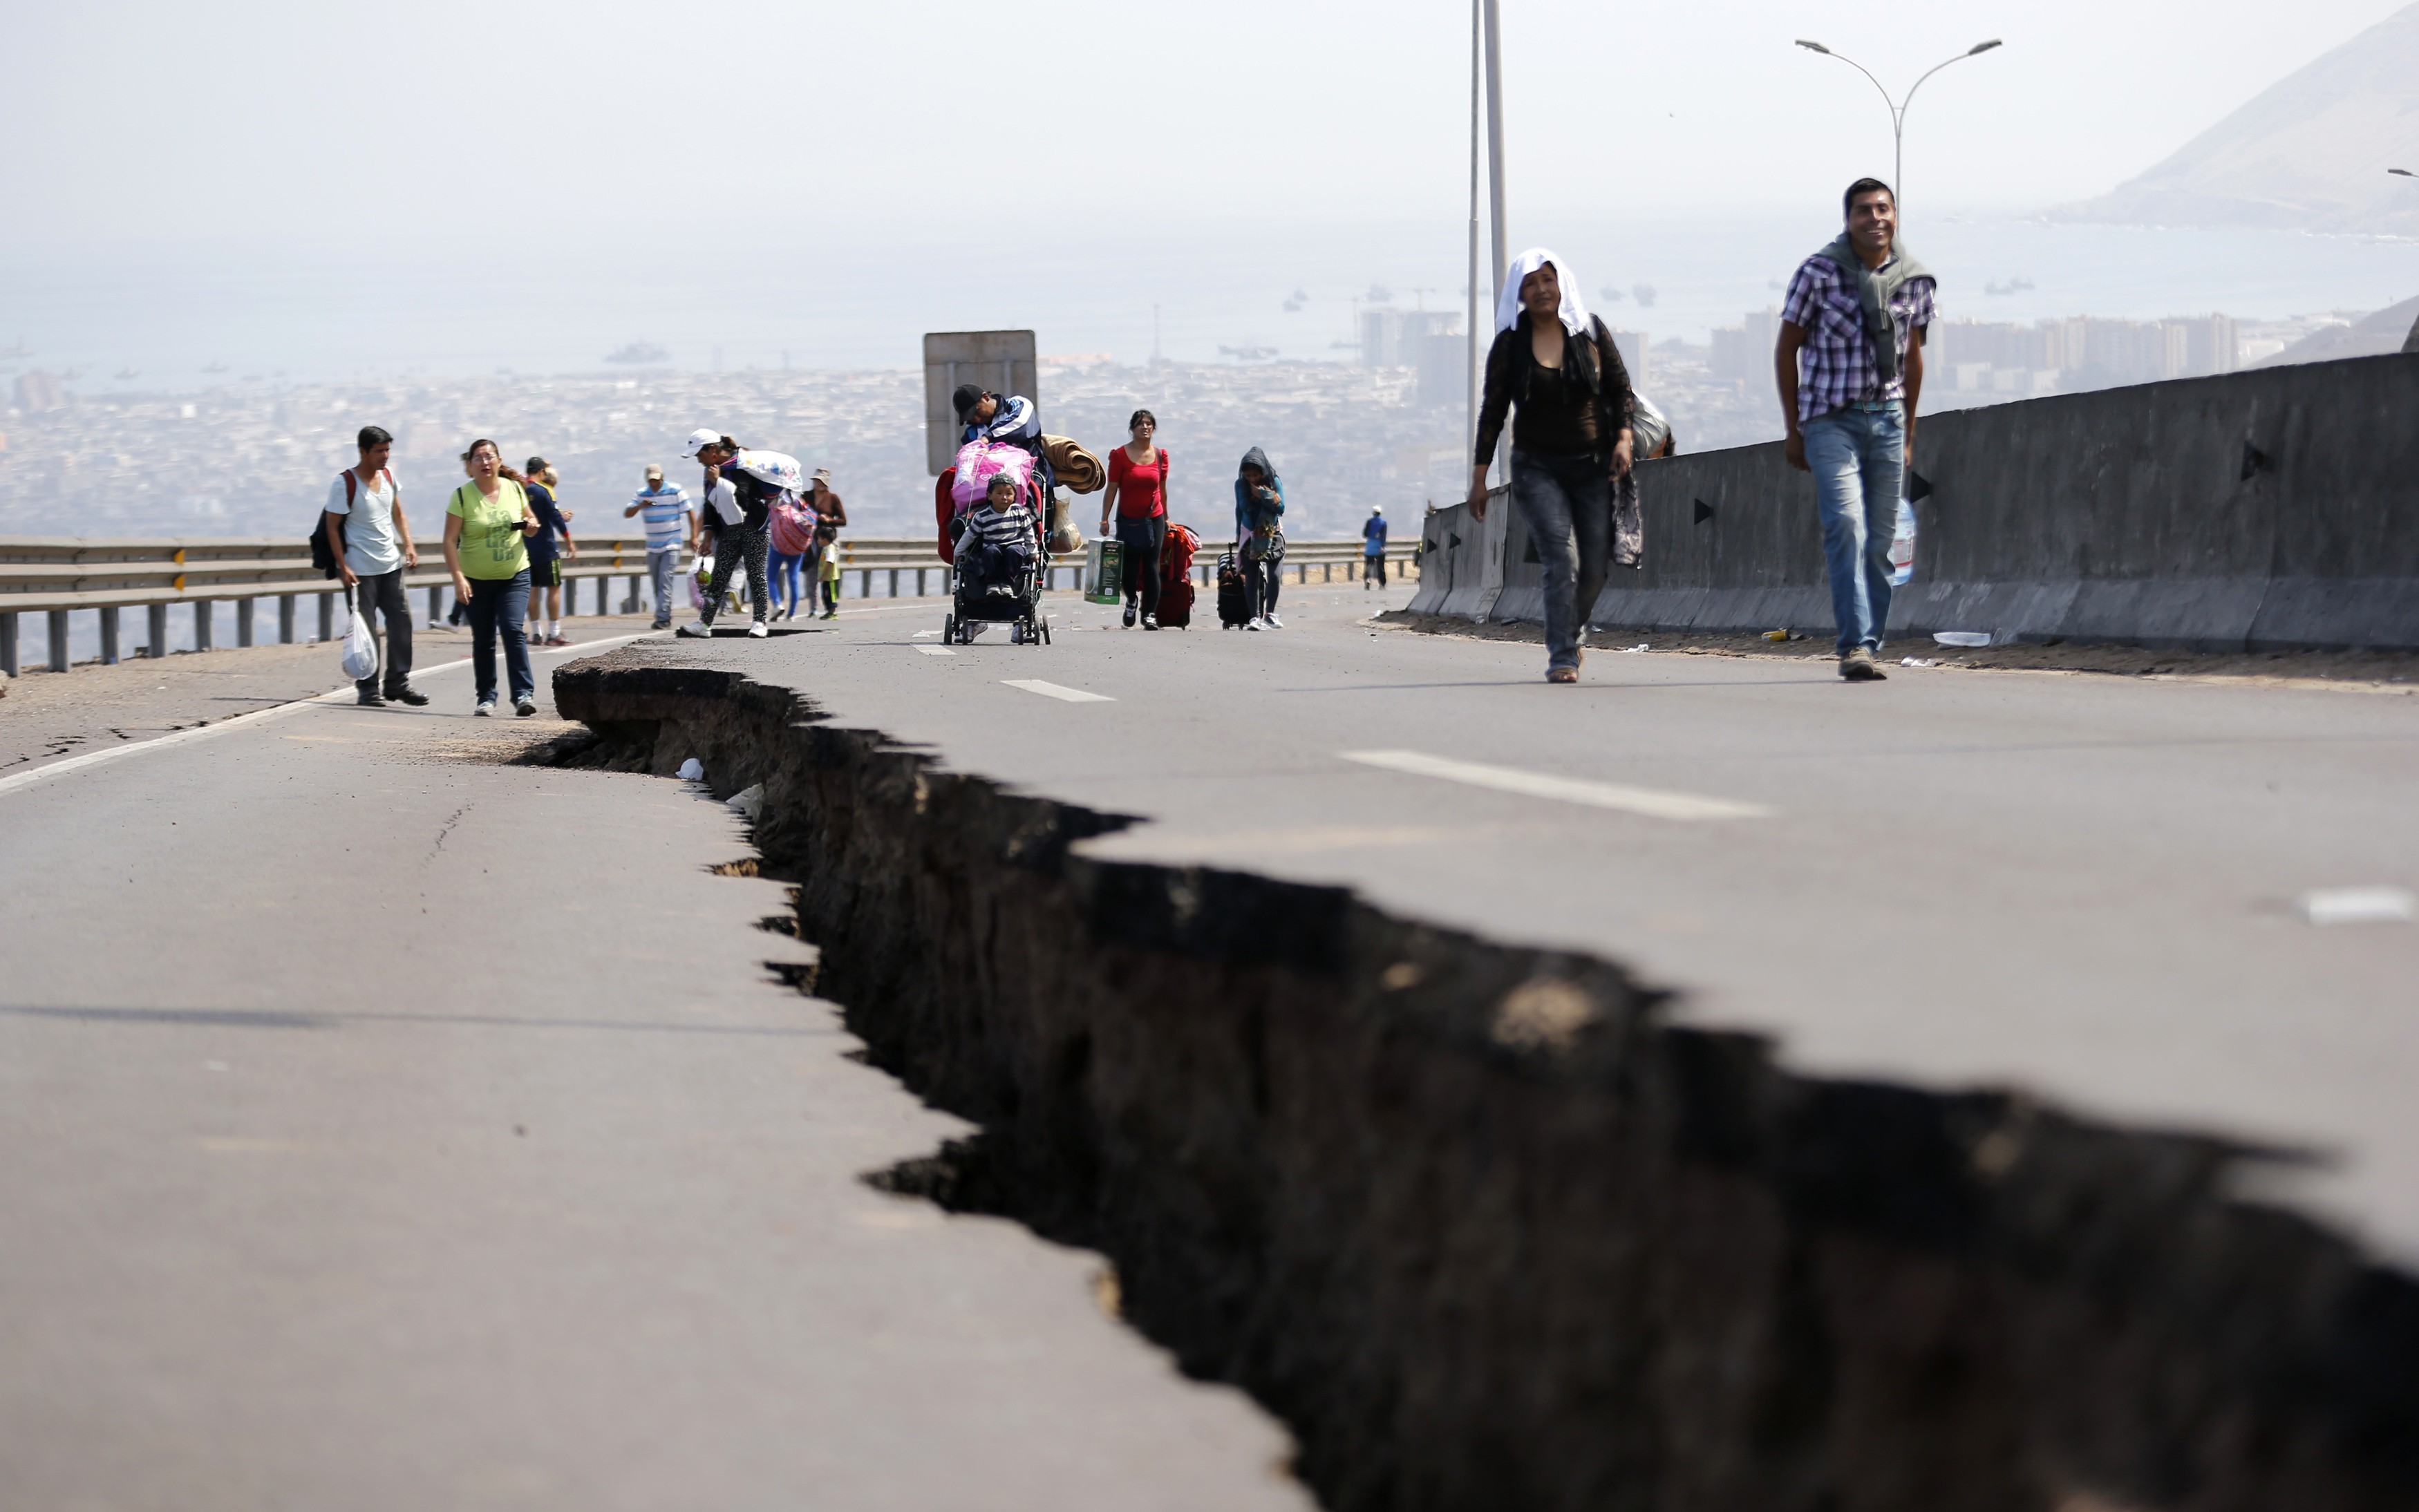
point(671, 523)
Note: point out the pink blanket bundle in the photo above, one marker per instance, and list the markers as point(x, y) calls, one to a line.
point(978, 462)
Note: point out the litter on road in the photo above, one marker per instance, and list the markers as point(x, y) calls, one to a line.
point(1654, 803)
point(1962, 637)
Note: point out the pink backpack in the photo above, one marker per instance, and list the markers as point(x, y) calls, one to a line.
point(793, 526)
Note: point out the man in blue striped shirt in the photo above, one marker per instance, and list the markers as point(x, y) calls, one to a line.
point(672, 522)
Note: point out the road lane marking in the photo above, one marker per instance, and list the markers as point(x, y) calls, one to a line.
point(179, 737)
point(1052, 690)
point(1655, 803)
point(2360, 905)
point(936, 650)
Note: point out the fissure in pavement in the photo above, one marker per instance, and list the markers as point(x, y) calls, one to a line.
point(1487, 1229)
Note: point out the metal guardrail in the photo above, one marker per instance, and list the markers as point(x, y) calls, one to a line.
point(57, 575)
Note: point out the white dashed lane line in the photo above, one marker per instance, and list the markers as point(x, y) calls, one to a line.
point(1052, 690)
point(1655, 803)
point(936, 650)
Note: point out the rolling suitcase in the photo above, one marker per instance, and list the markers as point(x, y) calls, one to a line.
point(1176, 577)
point(1232, 607)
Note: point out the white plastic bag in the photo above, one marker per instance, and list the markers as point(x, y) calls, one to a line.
point(1902, 546)
point(779, 468)
point(360, 650)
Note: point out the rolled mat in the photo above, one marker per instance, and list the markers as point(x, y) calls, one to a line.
point(1076, 467)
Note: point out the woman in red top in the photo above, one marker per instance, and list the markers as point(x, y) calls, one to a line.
point(1138, 487)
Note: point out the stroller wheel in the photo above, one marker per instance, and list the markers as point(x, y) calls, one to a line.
point(1044, 623)
point(948, 630)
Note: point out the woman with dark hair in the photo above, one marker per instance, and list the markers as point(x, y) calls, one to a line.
point(738, 514)
point(1259, 538)
point(487, 525)
point(1138, 489)
point(1571, 441)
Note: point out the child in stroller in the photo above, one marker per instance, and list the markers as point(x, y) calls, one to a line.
point(996, 574)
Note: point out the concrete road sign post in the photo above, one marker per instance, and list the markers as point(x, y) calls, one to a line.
point(1000, 361)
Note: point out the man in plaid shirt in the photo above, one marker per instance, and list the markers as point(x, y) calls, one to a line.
point(1856, 314)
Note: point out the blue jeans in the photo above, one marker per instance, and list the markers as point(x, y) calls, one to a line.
point(662, 566)
point(1566, 502)
point(1858, 455)
point(784, 575)
point(500, 604)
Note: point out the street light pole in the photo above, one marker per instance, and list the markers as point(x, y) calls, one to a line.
point(1897, 110)
point(2410, 342)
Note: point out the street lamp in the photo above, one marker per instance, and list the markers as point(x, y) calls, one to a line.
point(2403, 172)
point(1898, 109)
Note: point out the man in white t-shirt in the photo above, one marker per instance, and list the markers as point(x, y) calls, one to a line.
point(365, 512)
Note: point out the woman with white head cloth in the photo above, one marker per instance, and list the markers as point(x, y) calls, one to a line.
point(1570, 440)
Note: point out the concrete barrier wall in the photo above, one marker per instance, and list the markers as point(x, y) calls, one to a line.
point(2123, 516)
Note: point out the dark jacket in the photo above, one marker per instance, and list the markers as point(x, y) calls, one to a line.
point(1576, 412)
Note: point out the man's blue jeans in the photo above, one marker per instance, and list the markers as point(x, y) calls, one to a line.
point(1858, 457)
point(1566, 501)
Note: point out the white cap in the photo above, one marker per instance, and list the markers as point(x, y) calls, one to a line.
point(700, 440)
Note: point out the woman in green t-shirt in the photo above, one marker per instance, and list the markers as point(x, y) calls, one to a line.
point(487, 525)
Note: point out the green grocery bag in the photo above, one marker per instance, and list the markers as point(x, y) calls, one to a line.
point(1105, 574)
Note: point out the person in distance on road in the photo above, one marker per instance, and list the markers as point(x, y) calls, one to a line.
point(671, 523)
point(1855, 317)
point(1138, 489)
point(488, 526)
point(546, 568)
point(738, 517)
point(1570, 440)
point(365, 512)
point(1373, 550)
point(1259, 538)
point(831, 518)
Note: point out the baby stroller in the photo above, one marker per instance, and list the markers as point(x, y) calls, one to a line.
point(1015, 602)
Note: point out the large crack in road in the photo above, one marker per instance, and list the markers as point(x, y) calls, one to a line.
point(1486, 1228)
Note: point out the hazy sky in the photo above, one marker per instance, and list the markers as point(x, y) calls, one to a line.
point(323, 186)
point(328, 119)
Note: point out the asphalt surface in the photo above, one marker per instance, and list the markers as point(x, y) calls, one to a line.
point(2088, 887)
point(390, 1127)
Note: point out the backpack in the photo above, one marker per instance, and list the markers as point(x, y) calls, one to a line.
point(793, 526)
point(327, 556)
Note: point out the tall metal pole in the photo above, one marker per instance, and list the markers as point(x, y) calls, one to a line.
point(1477, 104)
point(1495, 138)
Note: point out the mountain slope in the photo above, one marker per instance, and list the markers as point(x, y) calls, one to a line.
point(2309, 153)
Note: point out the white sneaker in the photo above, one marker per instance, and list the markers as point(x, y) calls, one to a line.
point(697, 628)
point(487, 708)
point(1254, 624)
point(1275, 623)
point(758, 631)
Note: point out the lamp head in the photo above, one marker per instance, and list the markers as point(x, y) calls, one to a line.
point(2403, 173)
point(1813, 47)
point(1983, 47)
